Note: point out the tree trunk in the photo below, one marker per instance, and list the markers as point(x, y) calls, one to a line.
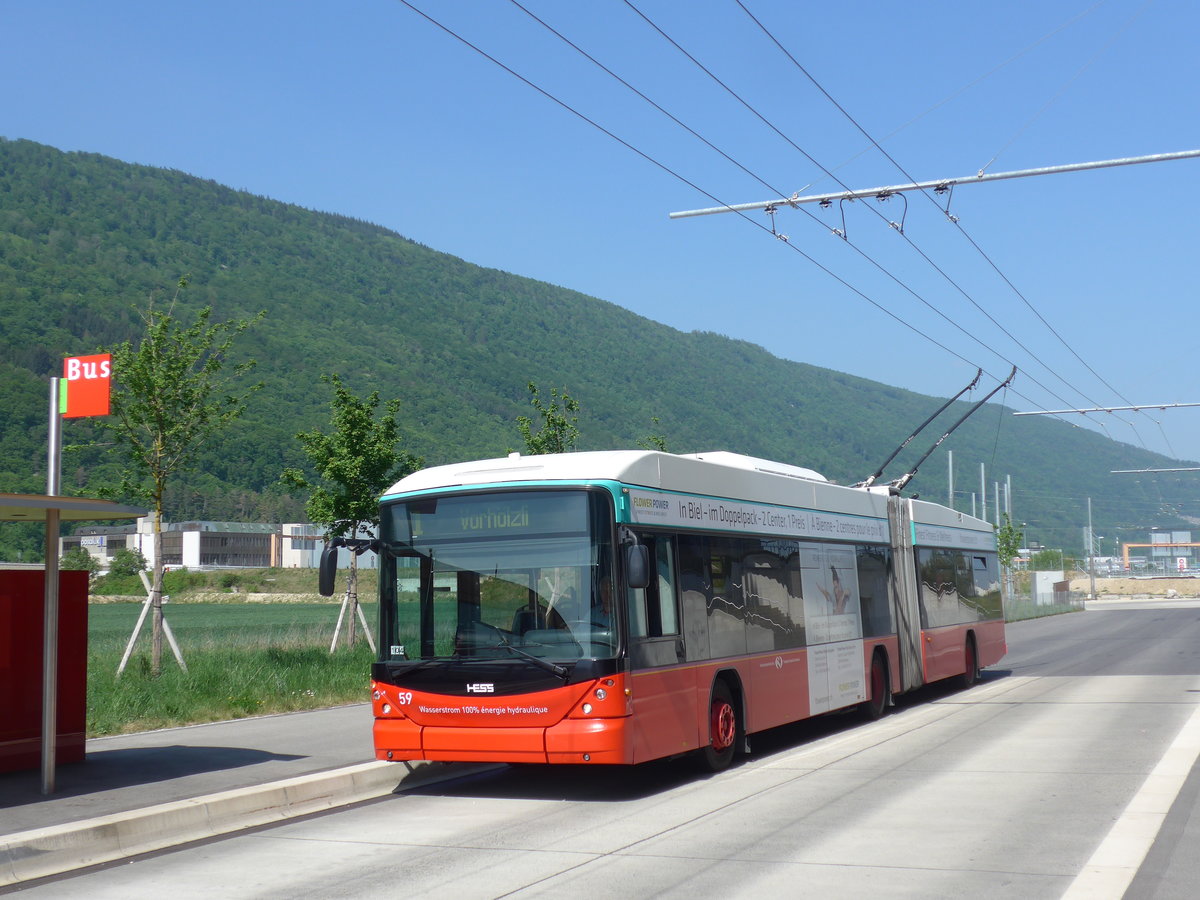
point(156, 618)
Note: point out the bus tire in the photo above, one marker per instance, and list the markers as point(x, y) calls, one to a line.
point(875, 706)
point(970, 673)
point(723, 729)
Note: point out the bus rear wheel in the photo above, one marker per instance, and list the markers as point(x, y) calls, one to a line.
point(876, 705)
point(722, 729)
point(971, 675)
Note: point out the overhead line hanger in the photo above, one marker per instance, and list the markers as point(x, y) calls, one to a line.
point(941, 185)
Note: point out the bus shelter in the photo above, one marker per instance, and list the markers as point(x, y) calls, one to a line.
point(20, 603)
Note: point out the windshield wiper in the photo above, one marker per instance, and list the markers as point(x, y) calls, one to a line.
point(413, 664)
point(554, 668)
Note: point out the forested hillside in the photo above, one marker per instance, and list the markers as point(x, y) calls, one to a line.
point(85, 241)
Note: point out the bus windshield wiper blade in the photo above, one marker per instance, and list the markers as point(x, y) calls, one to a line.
point(554, 668)
point(414, 665)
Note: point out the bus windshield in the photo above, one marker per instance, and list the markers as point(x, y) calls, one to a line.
point(500, 575)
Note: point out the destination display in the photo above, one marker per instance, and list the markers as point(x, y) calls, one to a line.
point(959, 538)
point(684, 511)
point(508, 515)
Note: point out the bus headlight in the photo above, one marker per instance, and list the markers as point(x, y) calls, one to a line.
point(587, 709)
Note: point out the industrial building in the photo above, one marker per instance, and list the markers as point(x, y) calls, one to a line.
point(212, 545)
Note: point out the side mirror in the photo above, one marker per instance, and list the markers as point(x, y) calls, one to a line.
point(328, 570)
point(637, 565)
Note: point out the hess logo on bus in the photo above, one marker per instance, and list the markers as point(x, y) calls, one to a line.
point(481, 688)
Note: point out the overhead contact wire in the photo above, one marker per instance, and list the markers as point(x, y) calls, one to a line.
point(966, 87)
point(764, 183)
point(450, 32)
point(680, 177)
point(962, 230)
point(748, 106)
point(775, 189)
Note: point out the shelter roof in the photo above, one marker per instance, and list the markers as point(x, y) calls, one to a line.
point(33, 508)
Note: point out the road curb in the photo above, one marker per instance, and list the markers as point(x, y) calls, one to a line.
point(40, 852)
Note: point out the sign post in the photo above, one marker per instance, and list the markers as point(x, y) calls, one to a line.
point(82, 391)
point(50, 610)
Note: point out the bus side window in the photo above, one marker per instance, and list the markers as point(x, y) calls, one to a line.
point(665, 577)
point(874, 564)
point(637, 612)
point(692, 562)
point(652, 611)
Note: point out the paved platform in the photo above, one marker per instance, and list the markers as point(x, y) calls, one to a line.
point(142, 792)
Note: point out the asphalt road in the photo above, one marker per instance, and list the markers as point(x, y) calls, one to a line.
point(1070, 771)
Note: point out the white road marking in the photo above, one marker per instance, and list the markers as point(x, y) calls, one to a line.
point(1116, 861)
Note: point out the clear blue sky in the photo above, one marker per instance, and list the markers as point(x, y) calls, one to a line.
point(364, 108)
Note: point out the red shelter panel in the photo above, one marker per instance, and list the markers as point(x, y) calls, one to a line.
point(22, 605)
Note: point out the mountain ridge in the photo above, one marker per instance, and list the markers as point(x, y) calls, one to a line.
point(85, 240)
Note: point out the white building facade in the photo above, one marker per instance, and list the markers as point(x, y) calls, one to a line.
point(214, 545)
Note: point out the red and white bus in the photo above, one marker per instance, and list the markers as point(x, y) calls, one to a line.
point(619, 607)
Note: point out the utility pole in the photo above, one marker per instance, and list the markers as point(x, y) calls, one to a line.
point(950, 470)
point(51, 608)
point(1091, 552)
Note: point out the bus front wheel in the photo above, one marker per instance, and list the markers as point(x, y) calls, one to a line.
point(722, 729)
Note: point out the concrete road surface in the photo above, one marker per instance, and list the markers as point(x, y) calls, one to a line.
point(1069, 772)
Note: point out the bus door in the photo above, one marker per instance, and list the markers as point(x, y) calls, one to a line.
point(664, 690)
point(905, 601)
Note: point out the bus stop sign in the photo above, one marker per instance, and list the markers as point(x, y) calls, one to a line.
point(85, 385)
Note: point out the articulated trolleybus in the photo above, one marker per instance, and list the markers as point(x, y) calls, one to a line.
point(619, 607)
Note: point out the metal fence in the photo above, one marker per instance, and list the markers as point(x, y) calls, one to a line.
point(1020, 602)
point(1023, 606)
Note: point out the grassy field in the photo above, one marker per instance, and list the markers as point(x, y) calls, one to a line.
point(243, 659)
point(183, 584)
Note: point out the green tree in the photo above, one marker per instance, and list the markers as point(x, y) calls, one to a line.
point(127, 562)
point(557, 433)
point(654, 440)
point(79, 559)
point(1009, 539)
point(1047, 560)
point(355, 463)
point(171, 394)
